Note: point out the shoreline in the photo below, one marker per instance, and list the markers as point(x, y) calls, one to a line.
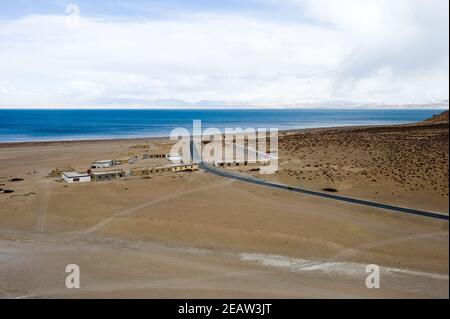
point(155, 138)
point(47, 223)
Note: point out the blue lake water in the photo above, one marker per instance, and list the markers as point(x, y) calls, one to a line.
point(52, 125)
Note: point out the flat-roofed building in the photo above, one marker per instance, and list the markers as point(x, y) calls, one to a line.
point(106, 176)
point(122, 161)
point(148, 156)
point(145, 171)
point(176, 159)
point(75, 177)
point(185, 168)
point(102, 164)
point(118, 162)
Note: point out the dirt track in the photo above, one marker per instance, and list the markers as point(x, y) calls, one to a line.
point(197, 235)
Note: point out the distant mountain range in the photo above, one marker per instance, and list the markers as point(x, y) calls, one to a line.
point(180, 104)
point(173, 103)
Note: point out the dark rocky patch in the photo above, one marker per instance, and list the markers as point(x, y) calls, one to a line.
point(24, 195)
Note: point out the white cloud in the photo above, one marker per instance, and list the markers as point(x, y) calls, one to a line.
point(362, 51)
point(6, 89)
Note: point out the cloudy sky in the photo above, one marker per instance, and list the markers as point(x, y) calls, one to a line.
point(228, 52)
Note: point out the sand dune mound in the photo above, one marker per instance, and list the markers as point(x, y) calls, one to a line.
point(439, 118)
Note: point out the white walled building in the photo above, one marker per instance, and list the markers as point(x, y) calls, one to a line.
point(175, 159)
point(103, 164)
point(75, 177)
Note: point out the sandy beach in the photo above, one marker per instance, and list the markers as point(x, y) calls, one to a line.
point(193, 234)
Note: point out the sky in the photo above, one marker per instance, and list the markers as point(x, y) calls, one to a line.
point(150, 53)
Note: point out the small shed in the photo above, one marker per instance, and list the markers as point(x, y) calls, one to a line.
point(102, 164)
point(75, 177)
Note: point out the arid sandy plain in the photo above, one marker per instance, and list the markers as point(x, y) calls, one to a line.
point(193, 234)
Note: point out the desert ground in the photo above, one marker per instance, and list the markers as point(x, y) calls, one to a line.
point(403, 165)
point(193, 234)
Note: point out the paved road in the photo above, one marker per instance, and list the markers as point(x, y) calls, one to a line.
point(257, 181)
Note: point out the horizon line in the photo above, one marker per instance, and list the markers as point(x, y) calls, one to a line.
point(207, 108)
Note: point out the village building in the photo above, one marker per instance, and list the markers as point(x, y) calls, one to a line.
point(175, 159)
point(107, 175)
point(102, 164)
point(148, 156)
point(128, 160)
point(75, 177)
point(119, 162)
point(145, 171)
point(185, 168)
point(239, 163)
point(141, 146)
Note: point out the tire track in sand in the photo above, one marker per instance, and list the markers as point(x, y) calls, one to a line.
point(132, 210)
point(43, 208)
